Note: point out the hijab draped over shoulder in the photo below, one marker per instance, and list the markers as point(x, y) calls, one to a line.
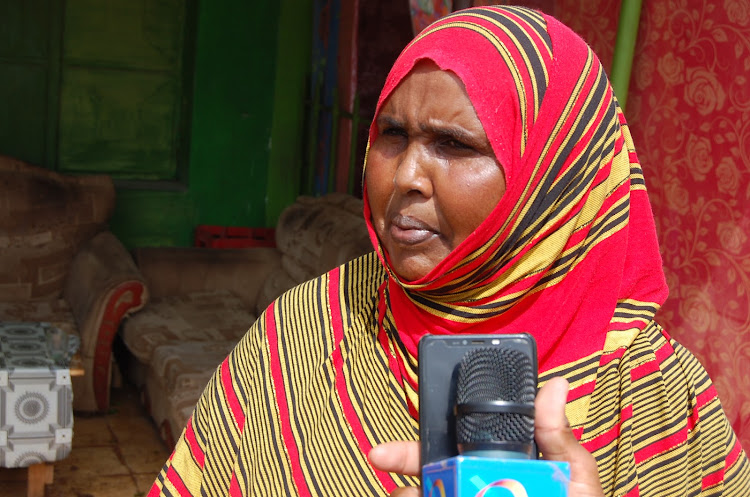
point(569, 255)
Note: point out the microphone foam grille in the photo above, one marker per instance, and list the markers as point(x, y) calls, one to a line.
point(495, 374)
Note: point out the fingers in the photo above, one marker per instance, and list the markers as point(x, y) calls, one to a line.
point(552, 431)
point(405, 492)
point(557, 442)
point(396, 457)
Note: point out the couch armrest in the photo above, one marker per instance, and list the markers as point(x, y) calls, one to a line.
point(177, 271)
point(102, 287)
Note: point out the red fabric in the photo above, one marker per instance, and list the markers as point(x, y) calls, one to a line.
point(532, 129)
point(234, 403)
point(192, 441)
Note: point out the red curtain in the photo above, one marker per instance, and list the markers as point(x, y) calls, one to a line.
point(689, 111)
point(425, 12)
point(690, 107)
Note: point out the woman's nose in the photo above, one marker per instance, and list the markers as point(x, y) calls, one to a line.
point(413, 171)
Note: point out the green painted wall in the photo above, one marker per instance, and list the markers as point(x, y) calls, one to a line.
point(288, 127)
point(232, 115)
point(195, 107)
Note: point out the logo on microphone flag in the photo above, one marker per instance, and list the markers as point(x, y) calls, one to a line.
point(500, 488)
point(437, 489)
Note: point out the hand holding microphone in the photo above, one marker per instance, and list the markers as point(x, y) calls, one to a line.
point(554, 438)
point(556, 441)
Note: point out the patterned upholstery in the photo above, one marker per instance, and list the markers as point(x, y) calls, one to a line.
point(195, 317)
point(56, 312)
point(60, 265)
point(44, 219)
point(207, 316)
point(182, 338)
point(180, 373)
point(314, 235)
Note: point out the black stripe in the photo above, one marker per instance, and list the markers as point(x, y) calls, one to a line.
point(539, 211)
point(657, 432)
point(161, 478)
point(240, 388)
point(221, 414)
point(320, 305)
point(637, 307)
point(528, 47)
point(300, 442)
point(535, 20)
point(571, 370)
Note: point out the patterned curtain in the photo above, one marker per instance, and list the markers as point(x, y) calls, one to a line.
point(689, 112)
point(690, 101)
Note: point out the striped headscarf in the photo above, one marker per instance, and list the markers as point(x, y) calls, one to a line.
point(570, 252)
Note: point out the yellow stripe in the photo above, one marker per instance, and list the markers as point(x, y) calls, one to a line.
point(525, 56)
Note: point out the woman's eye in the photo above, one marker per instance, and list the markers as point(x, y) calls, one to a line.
point(455, 144)
point(393, 131)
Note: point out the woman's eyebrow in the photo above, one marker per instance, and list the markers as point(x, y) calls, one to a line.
point(454, 132)
point(457, 133)
point(389, 121)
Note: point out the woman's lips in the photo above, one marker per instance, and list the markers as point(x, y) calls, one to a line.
point(410, 231)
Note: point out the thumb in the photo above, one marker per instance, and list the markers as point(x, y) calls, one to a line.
point(552, 430)
point(557, 442)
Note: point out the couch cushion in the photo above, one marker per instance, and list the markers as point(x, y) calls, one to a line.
point(315, 235)
point(198, 316)
point(277, 283)
point(188, 365)
point(44, 218)
point(178, 374)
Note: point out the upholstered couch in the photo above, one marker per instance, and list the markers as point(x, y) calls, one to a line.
point(203, 300)
point(59, 264)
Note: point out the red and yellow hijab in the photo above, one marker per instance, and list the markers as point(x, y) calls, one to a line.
point(570, 251)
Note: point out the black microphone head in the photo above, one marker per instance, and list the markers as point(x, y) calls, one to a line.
point(495, 394)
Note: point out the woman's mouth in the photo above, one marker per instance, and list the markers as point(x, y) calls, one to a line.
point(407, 230)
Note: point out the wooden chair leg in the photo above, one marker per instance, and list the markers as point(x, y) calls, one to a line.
point(39, 475)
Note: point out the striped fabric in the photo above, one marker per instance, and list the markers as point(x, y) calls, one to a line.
point(314, 385)
point(569, 255)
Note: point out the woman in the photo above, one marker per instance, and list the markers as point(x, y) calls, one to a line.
point(503, 195)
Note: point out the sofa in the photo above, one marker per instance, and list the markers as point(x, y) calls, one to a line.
point(203, 300)
point(59, 264)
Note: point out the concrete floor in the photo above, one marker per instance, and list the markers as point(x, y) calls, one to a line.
point(114, 455)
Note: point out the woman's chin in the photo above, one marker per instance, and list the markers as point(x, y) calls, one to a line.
point(411, 267)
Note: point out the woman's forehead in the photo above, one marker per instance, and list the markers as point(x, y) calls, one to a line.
point(430, 97)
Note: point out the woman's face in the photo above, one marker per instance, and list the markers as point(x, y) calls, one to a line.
point(431, 176)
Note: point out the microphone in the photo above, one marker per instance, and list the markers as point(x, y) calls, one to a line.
point(494, 422)
point(494, 410)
